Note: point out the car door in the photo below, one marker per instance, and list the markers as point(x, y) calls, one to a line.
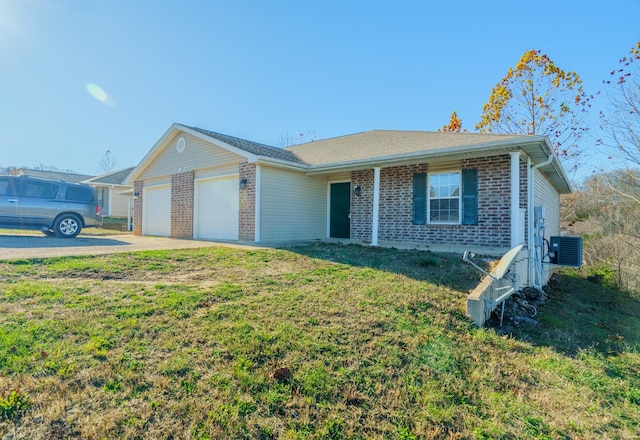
point(9, 201)
point(38, 204)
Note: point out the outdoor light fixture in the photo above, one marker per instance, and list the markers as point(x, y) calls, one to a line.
point(136, 194)
point(357, 190)
point(243, 183)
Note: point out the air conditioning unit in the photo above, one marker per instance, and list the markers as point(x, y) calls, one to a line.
point(566, 251)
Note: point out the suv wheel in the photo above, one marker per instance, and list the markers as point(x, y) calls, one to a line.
point(67, 226)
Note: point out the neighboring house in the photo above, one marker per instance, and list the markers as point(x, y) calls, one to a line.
point(109, 188)
point(412, 187)
point(55, 175)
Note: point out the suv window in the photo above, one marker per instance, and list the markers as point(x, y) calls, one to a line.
point(6, 186)
point(42, 190)
point(79, 194)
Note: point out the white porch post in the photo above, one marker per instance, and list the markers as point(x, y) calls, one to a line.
point(129, 226)
point(376, 206)
point(257, 205)
point(516, 224)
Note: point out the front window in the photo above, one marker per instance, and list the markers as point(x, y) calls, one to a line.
point(444, 197)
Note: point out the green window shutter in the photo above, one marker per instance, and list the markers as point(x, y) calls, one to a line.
point(470, 197)
point(419, 199)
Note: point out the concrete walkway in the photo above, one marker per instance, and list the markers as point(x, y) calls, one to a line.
point(14, 245)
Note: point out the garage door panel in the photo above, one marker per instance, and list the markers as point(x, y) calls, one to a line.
point(156, 212)
point(218, 205)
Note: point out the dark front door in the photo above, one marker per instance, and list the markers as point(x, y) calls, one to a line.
point(339, 223)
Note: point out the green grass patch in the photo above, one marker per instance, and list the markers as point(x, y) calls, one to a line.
point(323, 341)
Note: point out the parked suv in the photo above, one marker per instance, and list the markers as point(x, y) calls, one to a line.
point(55, 207)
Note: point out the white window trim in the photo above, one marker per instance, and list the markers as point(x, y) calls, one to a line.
point(429, 198)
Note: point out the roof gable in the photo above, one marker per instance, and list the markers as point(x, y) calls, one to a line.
point(113, 178)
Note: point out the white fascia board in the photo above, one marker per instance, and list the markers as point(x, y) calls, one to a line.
point(279, 163)
point(556, 166)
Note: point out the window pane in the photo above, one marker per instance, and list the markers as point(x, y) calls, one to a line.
point(444, 198)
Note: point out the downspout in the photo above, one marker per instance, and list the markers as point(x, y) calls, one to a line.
point(533, 282)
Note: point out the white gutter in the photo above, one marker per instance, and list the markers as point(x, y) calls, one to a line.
point(280, 163)
point(530, 212)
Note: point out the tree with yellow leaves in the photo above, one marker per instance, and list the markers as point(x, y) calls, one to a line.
point(454, 125)
point(537, 97)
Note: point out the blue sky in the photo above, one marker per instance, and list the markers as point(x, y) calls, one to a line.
point(262, 69)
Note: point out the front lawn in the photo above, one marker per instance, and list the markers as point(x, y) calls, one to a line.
point(324, 341)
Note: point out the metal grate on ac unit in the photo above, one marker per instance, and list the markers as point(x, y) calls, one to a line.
point(566, 251)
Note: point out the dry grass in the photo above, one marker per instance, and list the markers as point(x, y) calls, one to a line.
point(195, 343)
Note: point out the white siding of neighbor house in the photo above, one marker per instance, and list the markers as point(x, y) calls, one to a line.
point(197, 154)
point(119, 203)
point(293, 205)
point(545, 195)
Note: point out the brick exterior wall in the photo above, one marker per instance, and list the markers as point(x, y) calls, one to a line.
point(247, 214)
point(137, 207)
point(396, 206)
point(182, 195)
point(362, 205)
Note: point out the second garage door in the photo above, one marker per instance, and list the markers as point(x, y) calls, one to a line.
point(217, 202)
point(156, 212)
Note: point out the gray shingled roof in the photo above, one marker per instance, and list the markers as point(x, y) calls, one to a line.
point(55, 175)
point(250, 146)
point(112, 178)
point(387, 143)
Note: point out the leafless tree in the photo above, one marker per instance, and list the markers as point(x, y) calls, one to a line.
point(107, 162)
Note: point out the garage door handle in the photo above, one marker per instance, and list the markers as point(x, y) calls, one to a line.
point(12, 200)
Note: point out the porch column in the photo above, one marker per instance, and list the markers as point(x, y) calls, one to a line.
point(257, 204)
point(516, 224)
point(376, 206)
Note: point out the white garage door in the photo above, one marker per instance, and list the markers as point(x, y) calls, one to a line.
point(217, 208)
point(156, 211)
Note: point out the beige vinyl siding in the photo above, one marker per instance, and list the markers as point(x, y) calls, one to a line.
point(164, 180)
point(545, 195)
point(119, 202)
point(219, 171)
point(339, 177)
point(293, 205)
point(197, 154)
point(451, 165)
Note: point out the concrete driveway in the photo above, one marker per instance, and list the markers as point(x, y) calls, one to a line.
point(16, 245)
